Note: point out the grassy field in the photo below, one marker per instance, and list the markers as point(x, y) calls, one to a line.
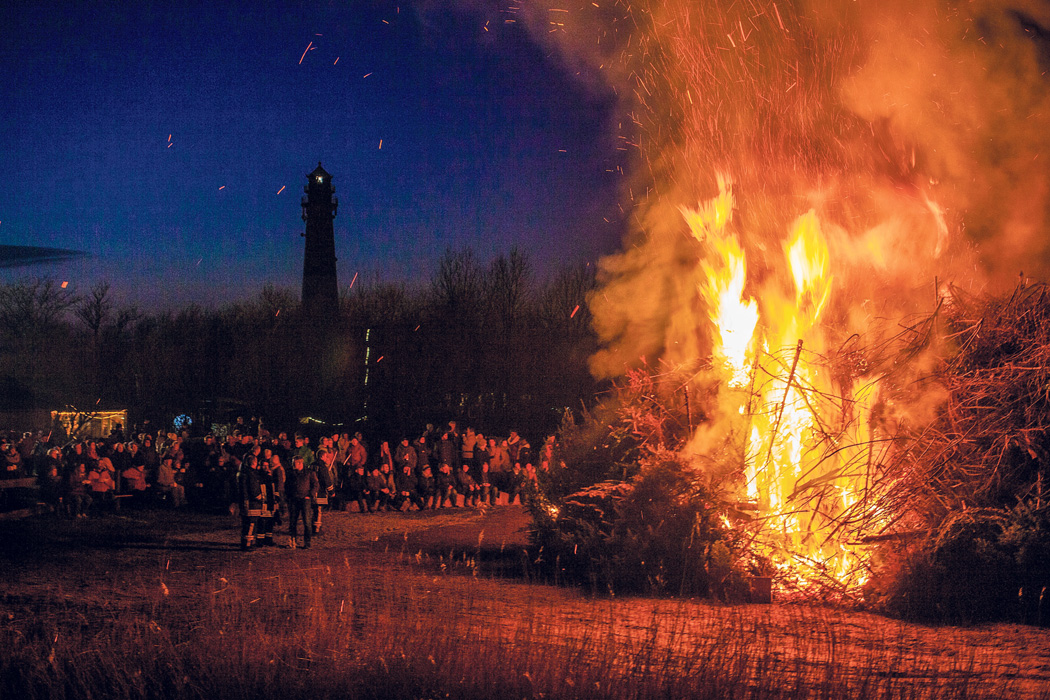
point(431, 605)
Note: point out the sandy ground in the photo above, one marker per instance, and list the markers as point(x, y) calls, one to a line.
point(44, 559)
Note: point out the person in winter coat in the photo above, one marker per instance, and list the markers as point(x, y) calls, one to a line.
point(407, 489)
point(379, 491)
point(466, 485)
point(405, 456)
point(251, 489)
point(427, 488)
point(323, 465)
point(445, 486)
point(301, 487)
point(357, 489)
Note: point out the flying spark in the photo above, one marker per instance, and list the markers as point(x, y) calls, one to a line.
point(353, 280)
point(304, 52)
point(282, 189)
point(574, 311)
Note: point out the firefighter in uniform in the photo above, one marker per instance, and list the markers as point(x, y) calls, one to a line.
point(270, 503)
point(251, 500)
point(323, 466)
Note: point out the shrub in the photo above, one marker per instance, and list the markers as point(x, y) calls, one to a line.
point(982, 564)
point(655, 533)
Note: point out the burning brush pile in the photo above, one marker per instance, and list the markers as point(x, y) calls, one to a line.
point(812, 384)
point(968, 490)
point(935, 514)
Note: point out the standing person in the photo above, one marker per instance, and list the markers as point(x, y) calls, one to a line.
point(268, 512)
point(251, 500)
point(466, 451)
point(303, 450)
point(481, 453)
point(405, 456)
point(280, 478)
point(385, 458)
point(456, 438)
point(514, 447)
point(358, 453)
point(356, 456)
point(447, 451)
point(302, 489)
point(422, 454)
point(325, 458)
point(499, 467)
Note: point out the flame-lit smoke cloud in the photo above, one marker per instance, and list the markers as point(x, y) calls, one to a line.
point(917, 130)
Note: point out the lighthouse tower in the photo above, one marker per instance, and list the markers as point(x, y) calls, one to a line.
point(320, 292)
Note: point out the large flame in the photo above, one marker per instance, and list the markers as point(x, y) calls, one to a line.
point(805, 434)
point(876, 150)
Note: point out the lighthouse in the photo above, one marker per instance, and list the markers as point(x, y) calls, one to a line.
point(320, 291)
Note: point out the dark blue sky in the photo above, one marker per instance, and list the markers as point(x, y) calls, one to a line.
point(444, 128)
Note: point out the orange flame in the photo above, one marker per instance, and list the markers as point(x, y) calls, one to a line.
point(804, 454)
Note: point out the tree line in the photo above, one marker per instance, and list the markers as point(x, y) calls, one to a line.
point(489, 344)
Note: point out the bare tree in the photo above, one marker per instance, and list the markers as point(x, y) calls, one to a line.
point(28, 307)
point(94, 310)
point(458, 285)
point(509, 289)
point(31, 315)
point(563, 301)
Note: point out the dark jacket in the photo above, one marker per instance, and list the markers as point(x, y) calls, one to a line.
point(301, 484)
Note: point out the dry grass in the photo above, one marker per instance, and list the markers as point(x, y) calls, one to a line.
point(347, 621)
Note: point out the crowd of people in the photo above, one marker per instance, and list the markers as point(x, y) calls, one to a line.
point(269, 479)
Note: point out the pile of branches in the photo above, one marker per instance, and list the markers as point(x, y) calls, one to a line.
point(968, 478)
point(988, 445)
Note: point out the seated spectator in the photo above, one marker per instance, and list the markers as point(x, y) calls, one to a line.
point(50, 480)
point(357, 489)
point(10, 462)
point(380, 493)
point(427, 488)
point(167, 484)
point(101, 483)
point(444, 486)
point(466, 485)
point(516, 484)
point(135, 482)
point(407, 489)
point(77, 496)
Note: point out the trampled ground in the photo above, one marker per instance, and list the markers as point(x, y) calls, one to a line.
point(123, 564)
